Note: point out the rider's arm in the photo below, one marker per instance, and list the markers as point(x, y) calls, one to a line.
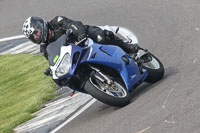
point(61, 22)
point(43, 51)
point(79, 30)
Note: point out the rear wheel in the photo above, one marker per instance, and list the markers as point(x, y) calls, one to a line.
point(113, 94)
point(155, 69)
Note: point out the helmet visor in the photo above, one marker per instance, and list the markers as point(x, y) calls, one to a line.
point(36, 37)
point(37, 34)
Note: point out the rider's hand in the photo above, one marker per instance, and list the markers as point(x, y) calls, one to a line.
point(78, 29)
point(82, 36)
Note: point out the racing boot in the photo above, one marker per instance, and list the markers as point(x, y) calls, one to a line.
point(129, 48)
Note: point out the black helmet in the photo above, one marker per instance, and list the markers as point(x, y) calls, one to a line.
point(35, 29)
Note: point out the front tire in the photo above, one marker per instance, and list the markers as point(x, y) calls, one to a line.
point(115, 97)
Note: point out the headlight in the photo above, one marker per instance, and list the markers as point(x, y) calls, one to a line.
point(64, 65)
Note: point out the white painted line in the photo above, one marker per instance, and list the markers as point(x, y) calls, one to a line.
point(74, 116)
point(36, 51)
point(33, 50)
point(11, 38)
point(20, 48)
point(31, 46)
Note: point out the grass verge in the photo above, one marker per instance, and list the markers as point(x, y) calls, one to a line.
point(23, 88)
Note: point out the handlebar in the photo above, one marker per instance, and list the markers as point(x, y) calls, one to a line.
point(70, 31)
point(81, 41)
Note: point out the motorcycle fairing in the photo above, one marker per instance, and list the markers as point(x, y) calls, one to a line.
point(109, 55)
point(59, 49)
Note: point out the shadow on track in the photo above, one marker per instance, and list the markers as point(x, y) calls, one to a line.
point(143, 88)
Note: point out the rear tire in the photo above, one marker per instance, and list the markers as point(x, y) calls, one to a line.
point(93, 88)
point(155, 69)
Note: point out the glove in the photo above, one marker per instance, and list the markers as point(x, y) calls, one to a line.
point(78, 30)
point(82, 36)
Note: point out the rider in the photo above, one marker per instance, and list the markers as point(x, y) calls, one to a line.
point(39, 31)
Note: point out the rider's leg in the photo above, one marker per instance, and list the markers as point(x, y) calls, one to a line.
point(108, 37)
point(112, 39)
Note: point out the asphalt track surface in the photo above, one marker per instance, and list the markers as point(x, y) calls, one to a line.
point(168, 28)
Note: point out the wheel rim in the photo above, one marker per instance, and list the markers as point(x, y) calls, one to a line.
point(154, 64)
point(115, 90)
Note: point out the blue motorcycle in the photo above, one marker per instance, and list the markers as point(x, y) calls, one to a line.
point(105, 72)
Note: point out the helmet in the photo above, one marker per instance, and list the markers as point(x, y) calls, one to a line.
point(35, 29)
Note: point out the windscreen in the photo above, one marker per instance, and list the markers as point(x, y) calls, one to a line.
point(53, 50)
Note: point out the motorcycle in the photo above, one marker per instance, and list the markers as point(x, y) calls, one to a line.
point(105, 72)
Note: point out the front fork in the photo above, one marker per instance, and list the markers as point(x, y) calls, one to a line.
point(102, 77)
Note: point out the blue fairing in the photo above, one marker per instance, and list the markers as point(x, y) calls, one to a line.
point(111, 56)
point(107, 55)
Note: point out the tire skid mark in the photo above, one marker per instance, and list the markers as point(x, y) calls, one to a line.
point(165, 102)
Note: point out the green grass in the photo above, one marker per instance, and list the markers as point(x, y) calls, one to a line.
point(23, 88)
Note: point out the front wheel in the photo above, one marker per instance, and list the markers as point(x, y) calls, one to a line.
point(113, 94)
point(154, 67)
